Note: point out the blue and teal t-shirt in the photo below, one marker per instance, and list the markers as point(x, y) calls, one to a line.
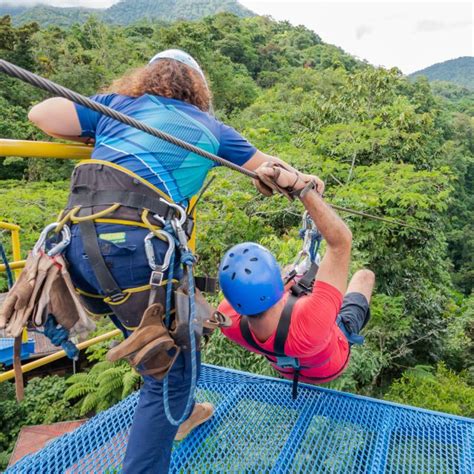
point(177, 172)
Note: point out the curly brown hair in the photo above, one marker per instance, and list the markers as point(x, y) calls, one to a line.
point(167, 78)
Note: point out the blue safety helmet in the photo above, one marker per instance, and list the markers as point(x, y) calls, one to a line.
point(250, 278)
point(180, 56)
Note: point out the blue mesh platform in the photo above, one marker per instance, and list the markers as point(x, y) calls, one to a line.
point(257, 428)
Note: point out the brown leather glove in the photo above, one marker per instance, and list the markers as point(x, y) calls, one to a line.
point(268, 180)
point(64, 303)
point(22, 299)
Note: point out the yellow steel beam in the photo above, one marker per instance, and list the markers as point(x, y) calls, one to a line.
point(10, 374)
point(13, 265)
point(8, 226)
point(30, 149)
point(16, 249)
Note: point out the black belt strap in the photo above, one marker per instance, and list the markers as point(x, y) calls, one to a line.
point(284, 325)
point(306, 282)
point(294, 386)
point(91, 247)
point(87, 198)
point(247, 335)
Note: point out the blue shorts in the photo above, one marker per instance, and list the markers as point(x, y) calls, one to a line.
point(353, 316)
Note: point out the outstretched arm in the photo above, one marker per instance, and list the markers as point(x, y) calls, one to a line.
point(334, 268)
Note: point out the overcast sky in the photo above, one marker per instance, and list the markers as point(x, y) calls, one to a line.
point(408, 34)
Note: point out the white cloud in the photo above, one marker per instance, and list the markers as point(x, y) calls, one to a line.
point(363, 30)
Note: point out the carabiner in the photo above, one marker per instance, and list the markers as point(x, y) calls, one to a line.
point(60, 246)
point(181, 211)
point(150, 252)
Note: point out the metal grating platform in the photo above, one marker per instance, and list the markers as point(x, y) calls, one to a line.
point(257, 428)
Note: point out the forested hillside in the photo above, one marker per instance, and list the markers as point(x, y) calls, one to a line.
point(383, 144)
point(459, 71)
point(124, 12)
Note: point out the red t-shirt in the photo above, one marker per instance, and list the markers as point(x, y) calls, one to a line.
point(313, 337)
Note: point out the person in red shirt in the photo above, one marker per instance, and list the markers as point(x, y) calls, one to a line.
point(314, 340)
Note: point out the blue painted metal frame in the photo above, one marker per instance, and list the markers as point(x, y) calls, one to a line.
point(258, 428)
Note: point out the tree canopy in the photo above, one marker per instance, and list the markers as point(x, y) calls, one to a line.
point(384, 144)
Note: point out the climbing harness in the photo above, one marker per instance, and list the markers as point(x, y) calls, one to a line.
point(50, 86)
point(303, 270)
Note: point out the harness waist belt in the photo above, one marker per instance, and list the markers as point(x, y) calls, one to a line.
point(95, 186)
point(86, 198)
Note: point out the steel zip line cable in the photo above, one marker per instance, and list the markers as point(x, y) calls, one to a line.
point(50, 86)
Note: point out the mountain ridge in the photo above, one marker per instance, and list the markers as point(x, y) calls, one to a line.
point(124, 12)
point(459, 71)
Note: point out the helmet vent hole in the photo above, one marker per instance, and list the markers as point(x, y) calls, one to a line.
point(239, 305)
point(246, 250)
point(231, 255)
point(262, 298)
point(226, 267)
point(233, 276)
point(254, 259)
point(247, 271)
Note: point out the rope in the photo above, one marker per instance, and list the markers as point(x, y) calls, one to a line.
point(7, 266)
point(59, 336)
point(50, 86)
point(187, 259)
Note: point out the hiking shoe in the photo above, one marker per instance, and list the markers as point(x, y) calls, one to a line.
point(201, 413)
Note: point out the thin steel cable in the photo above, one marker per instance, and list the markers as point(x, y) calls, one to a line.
point(50, 86)
point(377, 218)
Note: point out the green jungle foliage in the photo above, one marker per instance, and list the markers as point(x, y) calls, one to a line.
point(124, 12)
point(459, 71)
point(383, 144)
point(436, 388)
point(44, 403)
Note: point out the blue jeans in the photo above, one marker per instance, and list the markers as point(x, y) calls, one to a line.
point(151, 436)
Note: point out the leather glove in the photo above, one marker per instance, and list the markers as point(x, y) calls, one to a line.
point(270, 180)
point(64, 303)
point(22, 299)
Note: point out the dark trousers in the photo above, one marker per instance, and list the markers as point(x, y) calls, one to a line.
point(151, 436)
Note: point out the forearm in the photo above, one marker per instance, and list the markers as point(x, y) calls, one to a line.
point(332, 227)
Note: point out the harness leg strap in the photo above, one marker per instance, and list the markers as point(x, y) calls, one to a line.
point(91, 247)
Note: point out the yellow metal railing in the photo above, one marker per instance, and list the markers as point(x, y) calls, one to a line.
point(17, 264)
point(10, 374)
point(27, 149)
